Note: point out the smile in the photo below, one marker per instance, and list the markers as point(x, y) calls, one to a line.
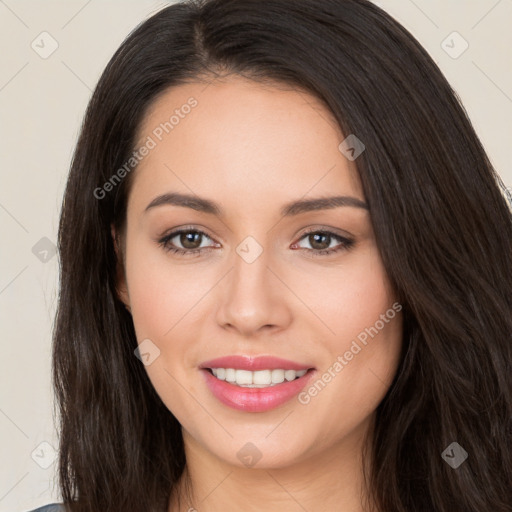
point(257, 379)
point(255, 384)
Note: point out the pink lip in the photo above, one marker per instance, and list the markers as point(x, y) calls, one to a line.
point(255, 399)
point(254, 363)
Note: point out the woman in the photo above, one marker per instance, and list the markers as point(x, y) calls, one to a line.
point(286, 279)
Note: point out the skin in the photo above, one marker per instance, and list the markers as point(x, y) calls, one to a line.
point(251, 149)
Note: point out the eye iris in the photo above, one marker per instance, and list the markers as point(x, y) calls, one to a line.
point(189, 239)
point(314, 241)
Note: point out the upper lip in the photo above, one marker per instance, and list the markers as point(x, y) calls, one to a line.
point(254, 363)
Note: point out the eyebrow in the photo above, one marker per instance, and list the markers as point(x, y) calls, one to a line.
point(290, 209)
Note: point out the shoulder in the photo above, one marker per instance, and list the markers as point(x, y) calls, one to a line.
point(53, 507)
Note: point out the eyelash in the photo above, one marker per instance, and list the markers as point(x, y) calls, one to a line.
point(346, 243)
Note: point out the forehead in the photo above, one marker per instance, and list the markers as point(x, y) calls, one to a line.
point(236, 139)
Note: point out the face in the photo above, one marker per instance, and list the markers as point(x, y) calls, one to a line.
point(254, 276)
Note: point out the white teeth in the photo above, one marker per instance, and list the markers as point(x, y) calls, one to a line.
point(257, 379)
point(289, 375)
point(243, 377)
point(277, 376)
point(230, 375)
point(262, 377)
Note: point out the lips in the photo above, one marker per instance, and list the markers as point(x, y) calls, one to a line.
point(255, 399)
point(254, 363)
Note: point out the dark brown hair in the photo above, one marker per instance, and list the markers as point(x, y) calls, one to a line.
point(442, 225)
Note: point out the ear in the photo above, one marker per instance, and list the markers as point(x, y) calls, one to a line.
point(121, 286)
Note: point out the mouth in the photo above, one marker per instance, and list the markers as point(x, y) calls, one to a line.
point(255, 385)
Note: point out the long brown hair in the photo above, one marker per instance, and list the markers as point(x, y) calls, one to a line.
point(442, 225)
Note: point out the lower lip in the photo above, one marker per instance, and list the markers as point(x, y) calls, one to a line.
point(255, 399)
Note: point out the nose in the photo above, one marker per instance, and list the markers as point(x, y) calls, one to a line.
point(252, 299)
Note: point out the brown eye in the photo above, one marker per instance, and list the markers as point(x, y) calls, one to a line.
point(320, 242)
point(185, 241)
point(190, 239)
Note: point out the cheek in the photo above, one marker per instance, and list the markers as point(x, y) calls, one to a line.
point(162, 293)
point(347, 298)
point(162, 296)
point(365, 339)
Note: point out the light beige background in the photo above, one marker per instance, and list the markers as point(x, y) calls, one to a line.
point(42, 102)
